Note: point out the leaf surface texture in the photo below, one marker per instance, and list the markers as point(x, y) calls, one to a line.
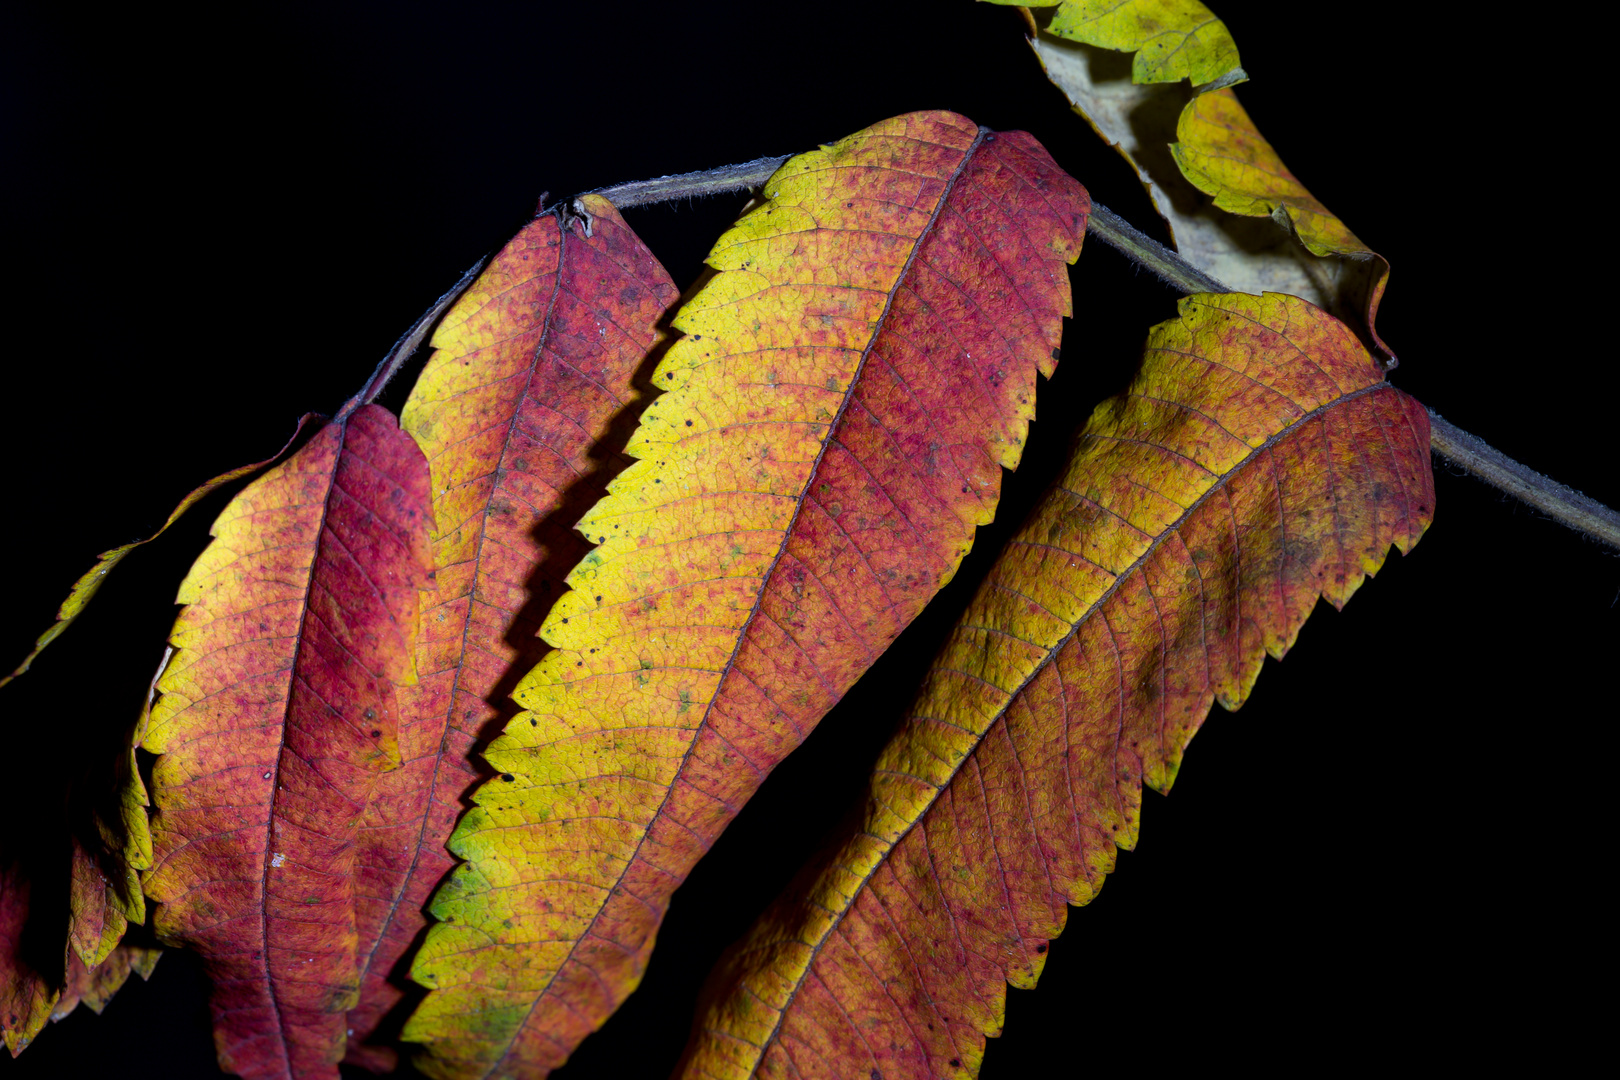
point(278, 712)
point(833, 427)
point(1257, 462)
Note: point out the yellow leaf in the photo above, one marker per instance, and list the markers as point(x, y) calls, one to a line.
point(1233, 209)
point(1172, 39)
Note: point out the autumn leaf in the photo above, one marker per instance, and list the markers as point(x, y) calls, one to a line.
point(1232, 207)
point(105, 894)
point(832, 429)
point(103, 897)
point(533, 365)
point(1172, 39)
point(225, 213)
point(1257, 461)
point(28, 988)
point(278, 711)
point(102, 906)
point(94, 986)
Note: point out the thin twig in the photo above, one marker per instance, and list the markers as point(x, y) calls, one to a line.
point(1475, 456)
point(750, 174)
point(412, 340)
point(1148, 253)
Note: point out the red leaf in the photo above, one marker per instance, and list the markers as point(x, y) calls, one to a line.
point(279, 713)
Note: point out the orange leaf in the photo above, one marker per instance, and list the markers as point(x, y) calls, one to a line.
point(834, 425)
point(1258, 460)
point(278, 712)
point(533, 365)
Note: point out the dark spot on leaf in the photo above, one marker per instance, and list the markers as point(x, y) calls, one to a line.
point(376, 733)
point(689, 423)
point(508, 777)
point(1040, 948)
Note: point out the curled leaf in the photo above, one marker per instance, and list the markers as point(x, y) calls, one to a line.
point(833, 429)
point(1257, 462)
point(278, 711)
point(1221, 151)
point(1233, 209)
point(532, 367)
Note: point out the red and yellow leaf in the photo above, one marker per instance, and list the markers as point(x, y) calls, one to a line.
point(103, 897)
point(1258, 461)
point(105, 893)
point(27, 993)
point(533, 365)
point(100, 907)
point(833, 429)
point(278, 713)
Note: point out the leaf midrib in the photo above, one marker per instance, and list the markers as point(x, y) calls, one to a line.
point(787, 535)
point(1172, 529)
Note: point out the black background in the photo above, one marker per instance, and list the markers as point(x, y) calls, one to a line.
point(213, 224)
